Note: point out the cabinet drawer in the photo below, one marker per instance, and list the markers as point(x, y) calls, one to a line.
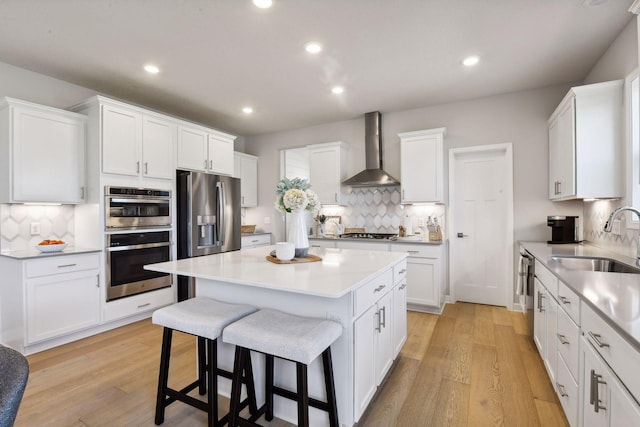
point(569, 301)
point(370, 292)
point(618, 353)
point(322, 243)
point(568, 342)
point(61, 264)
point(399, 272)
point(133, 305)
point(547, 278)
point(417, 250)
point(567, 390)
point(256, 240)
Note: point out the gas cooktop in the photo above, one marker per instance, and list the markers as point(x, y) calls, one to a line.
point(377, 236)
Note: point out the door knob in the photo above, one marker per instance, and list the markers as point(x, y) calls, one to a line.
point(461, 235)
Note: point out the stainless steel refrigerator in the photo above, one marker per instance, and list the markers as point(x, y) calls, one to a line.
point(208, 219)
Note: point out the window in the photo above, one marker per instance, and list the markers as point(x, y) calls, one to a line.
point(632, 96)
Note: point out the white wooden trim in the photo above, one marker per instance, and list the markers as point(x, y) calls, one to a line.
point(507, 149)
point(635, 7)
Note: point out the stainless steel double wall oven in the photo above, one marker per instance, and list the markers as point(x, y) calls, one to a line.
point(138, 222)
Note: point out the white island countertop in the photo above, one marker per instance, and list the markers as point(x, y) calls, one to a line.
point(340, 271)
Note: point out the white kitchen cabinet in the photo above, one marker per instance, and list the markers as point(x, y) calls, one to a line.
point(42, 154)
point(205, 150)
point(51, 297)
point(399, 316)
point(606, 401)
point(132, 141)
point(246, 168)
point(327, 170)
point(539, 318)
point(425, 275)
point(255, 240)
point(586, 143)
point(421, 160)
point(545, 327)
point(322, 243)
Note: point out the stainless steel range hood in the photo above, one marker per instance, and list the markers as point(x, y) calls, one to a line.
point(373, 175)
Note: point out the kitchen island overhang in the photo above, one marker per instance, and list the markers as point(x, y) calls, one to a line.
point(365, 291)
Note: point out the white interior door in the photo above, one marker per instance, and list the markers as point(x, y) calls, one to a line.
point(481, 188)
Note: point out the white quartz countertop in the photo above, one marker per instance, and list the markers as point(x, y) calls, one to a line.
point(392, 240)
point(34, 253)
point(616, 296)
point(340, 271)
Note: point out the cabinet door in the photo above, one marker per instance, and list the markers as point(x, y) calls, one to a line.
point(61, 304)
point(399, 317)
point(539, 319)
point(157, 148)
point(562, 152)
point(48, 157)
point(384, 344)
point(121, 140)
point(220, 154)
point(364, 360)
point(324, 174)
point(423, 281)
point(421, 176)
point(192, 149)
point(249, 181)
point(551, 329)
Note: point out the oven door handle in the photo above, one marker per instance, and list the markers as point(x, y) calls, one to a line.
point(133, 247)
point(138, 201)
point(222, 202)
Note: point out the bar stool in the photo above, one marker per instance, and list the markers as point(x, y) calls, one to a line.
point(205, 318)
point(289, 337)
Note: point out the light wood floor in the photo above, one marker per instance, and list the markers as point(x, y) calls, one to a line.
point(472, 366)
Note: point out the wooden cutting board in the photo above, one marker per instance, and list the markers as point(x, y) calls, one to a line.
point(308, 258)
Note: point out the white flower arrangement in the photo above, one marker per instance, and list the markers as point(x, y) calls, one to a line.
point(294, 195)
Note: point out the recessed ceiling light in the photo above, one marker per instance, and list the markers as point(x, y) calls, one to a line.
point(471, 61)
point(247, 110)
point(313, 47)
point(151, 69)
point(337, 90)
point(263, 4)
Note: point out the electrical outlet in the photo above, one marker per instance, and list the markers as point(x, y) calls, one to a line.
point(267, 220)
point(616, 227)
point(35, 228)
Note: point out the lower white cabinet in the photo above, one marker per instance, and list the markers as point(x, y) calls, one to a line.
point(137, 304)
point(606, 401)
point(255, 240)
point(399, 316)
point(425, 273)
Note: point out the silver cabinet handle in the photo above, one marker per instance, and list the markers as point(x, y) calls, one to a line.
point(540, 297)
point(413, 252)
point(384, 317)
point(404, 270)
point(146, 168)
point(559, 187)
point(66, 265)
point(379, 327)
point(205, 164)
point(596, 338)
point(461, 235)
point(243, 200)
point(379, 288)
point(561, 389)
point(144, 305)
point(82, 192)
point(138, 167)
point(210, 164)
point(404, 285)
point(98, 280)
point(594, 398)
point(563, 339)
point(564, 300)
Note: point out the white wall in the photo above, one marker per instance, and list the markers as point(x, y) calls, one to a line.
point(519, 118)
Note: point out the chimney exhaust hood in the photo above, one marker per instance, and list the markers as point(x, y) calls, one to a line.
point(373, 175)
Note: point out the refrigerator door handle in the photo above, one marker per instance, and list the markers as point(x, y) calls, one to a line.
point(222, 203)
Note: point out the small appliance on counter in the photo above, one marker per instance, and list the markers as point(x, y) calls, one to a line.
point(565, 229)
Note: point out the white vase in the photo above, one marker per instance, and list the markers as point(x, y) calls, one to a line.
point(297, 233)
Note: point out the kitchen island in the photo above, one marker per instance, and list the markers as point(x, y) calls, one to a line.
point(363, 290)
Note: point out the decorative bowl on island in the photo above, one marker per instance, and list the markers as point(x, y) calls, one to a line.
point(50, 245)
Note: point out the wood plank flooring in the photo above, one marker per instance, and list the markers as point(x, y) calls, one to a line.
point(472, 366)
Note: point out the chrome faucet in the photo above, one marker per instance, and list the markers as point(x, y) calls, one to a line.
point(609, 225)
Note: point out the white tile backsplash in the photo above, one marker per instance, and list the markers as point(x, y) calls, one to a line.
point(56, 222)
point(596, 214)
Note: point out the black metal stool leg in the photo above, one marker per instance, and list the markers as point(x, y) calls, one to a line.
point(268, 387)
point(202, 366)
point(303, 395)
point(330, 387)
point(163, 375)
point(236, 385)
point(212, 379)
point(248, 381)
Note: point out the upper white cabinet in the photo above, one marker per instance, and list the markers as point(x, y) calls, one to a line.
point(327, 170)
point(42, 153)
point(132, 141)
point(421, 159)
point(246, 168)
point(205, 150)
point(586, 143)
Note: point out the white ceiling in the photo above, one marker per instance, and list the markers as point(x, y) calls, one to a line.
point(217, 56)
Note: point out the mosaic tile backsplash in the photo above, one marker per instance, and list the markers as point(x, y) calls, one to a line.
point(56, 222)
point(596, 214)
point(378, 210)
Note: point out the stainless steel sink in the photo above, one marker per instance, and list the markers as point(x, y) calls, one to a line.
point(595, 264)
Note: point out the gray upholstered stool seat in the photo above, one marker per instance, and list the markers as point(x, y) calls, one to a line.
point(205, 318)
point(300, 339)
point(14, 372)
point(202, 317)
point(295, 338)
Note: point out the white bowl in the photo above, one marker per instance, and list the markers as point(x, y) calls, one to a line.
point(285, 251)
point(51, 248)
